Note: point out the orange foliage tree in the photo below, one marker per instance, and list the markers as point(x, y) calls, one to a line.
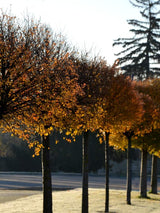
point(121, 106)
point(85, 119)
point(39, 91)
point(55, 100)
point(141, 128)
point(86, 115)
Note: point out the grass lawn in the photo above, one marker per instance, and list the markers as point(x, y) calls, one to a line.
point(70, 202)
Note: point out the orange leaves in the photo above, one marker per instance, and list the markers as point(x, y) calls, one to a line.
point(150, 91)
point(44, 86)
point(37, 147)
point(120, 103)
point(109, 102)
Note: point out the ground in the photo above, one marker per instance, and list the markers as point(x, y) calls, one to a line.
point(69, 201)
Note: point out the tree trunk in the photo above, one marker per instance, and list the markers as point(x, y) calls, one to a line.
point(129, 170)
point(107, 171)
point(85, 143)
point(46, 176)
point(143, 175)
point(154, 175)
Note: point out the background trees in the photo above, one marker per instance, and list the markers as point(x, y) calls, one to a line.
point(140, 54)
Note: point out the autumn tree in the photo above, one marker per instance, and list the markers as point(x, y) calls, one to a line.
point(49, 87)
point(151, 88)
point(85, 119)
point(140, 130)
point(140, 53)
point(55, 101)
point(85, 115)
point(121, 106)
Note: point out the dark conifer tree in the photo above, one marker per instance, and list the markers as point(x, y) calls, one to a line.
point(140, 54)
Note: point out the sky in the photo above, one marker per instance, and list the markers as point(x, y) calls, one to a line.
point(87, 24)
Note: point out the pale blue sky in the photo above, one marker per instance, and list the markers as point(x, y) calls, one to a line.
point(86, 23)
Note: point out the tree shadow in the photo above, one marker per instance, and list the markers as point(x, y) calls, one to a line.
point(155, 198)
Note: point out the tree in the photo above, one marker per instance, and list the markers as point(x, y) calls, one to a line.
point(141, 128)
point(89, 71)
point(146, 128)
point(121, 108)
point(53, 97)
point(141, 53)
point(93, 73)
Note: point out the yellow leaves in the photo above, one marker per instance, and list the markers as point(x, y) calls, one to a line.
point(100, 140)
point(37, 147)
point(68, 140)
point(51, 128)
point(68, 133)
point(118, 141)
point(57, 141)
point(35, 118)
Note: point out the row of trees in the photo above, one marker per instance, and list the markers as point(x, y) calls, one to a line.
point(139, 59)
point(45, 86)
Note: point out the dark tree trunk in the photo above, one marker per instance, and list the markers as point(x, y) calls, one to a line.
point(46, 176)
point(143, 175)
point(154, 175)
point(107, 171)
point(85, 143)
point(129, 170)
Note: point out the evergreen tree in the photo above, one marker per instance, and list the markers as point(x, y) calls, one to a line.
point(141, 53)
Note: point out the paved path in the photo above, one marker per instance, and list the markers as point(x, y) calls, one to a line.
point(61, 181)
point(14, 185)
